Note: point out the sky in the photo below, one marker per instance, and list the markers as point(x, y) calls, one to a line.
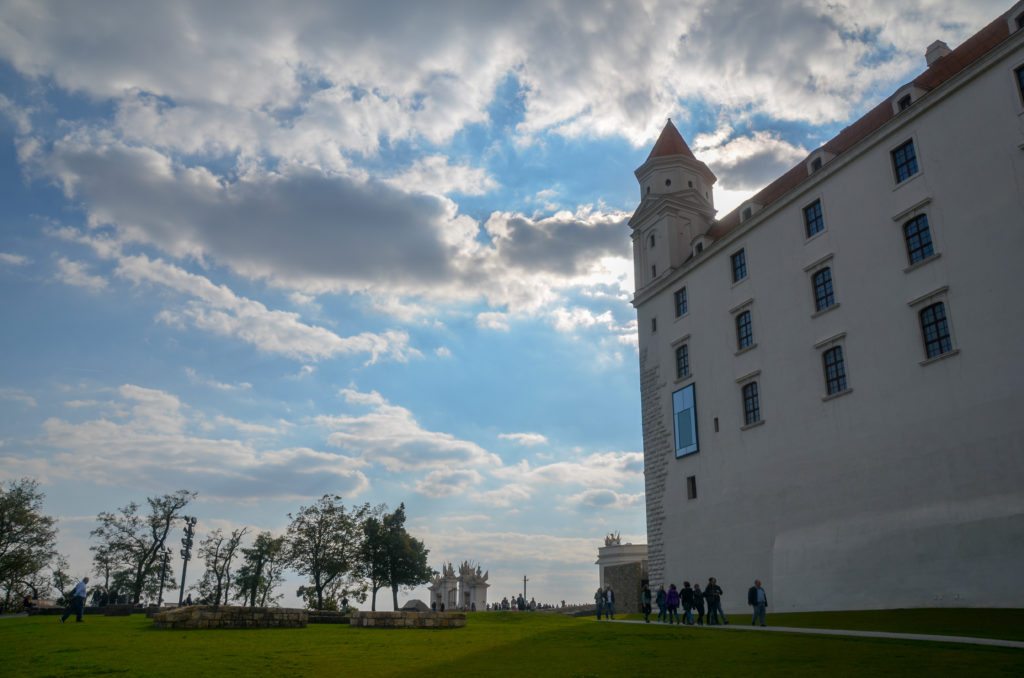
point(267, 251)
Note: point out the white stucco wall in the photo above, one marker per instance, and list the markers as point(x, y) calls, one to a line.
point(907, 490)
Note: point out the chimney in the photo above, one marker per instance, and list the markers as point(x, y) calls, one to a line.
point(936, 51)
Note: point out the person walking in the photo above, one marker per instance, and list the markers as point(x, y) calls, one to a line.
point(758, 599)
point(672, 603)
point(660, 600)
point(77, 605)
point(599, 602)
point(645, 603)
point(713, 592)
point(609, 602)
point(698, 604)
point(686, 600)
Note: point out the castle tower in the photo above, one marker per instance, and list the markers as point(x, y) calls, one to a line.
point(676, 209)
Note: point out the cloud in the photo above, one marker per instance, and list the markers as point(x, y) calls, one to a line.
point(75, 274)
point(219, 310)
point(194, 378)
point(525, 439)
point(153, 443)
point(18, 396)
point(606, 499)
point(600, 470)
point(14, 259)
point(390, 436)
point(446, 483)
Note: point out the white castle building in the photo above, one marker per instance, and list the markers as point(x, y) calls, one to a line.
point(832, 375)
point(465, 591)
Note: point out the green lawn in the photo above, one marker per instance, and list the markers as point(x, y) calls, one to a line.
point(492, 644)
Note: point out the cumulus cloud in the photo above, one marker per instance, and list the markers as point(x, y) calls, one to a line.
point(14, 259)
point(153, 442)
point(606, 499)
point(600, 470)
point(389, 435)
point(76, 274)
point(446, 483)
point(525, 439)
point(18, 396)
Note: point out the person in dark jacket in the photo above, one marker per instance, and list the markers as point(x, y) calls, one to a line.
point(758, 599)
point(698, 604)
point(645, 603)
point(686, 600)
point(713, 593)
point(599, 602)
point(660, 600)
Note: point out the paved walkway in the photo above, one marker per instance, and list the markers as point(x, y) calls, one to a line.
point(998, 642)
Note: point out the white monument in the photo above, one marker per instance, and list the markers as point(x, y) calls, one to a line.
point(465, 591)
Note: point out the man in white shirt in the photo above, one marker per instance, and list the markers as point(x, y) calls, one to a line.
point(77, 605)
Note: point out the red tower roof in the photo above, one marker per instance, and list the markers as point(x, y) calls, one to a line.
point(670, 143)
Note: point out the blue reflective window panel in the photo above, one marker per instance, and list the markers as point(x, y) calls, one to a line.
point(684, 410)
point(680, 297)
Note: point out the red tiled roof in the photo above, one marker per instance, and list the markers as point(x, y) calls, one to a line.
point(940, 71)
point(670, 143)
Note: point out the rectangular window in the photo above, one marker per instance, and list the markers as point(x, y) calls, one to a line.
point(813, 219)
point(835, 370)
point(824, 295)
point(751, 404)
point(680, 298)
point(691, 487)
point(904, 161)
point(919, 239)
point(1020, 82)
point(744, 331)
point(654, 271)
point(654, 324)
point(684, 410)
point(683, 361)
point(739, 266)
point(935, 330)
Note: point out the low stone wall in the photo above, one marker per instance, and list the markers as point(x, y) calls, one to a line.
point(406, 619)
point(117, 610)
point(228, 617)
point(328, 617)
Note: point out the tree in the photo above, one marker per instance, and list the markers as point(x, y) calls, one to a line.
point(323, 544)
point(131, 542)
point(391, 556)
point(28, 539)
point(218, 551)
point(262, 570)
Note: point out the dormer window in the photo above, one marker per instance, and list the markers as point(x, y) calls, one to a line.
point(905, 96)
point(815, 164)
point(817, 159)
point(747, 213)
point(904, 103)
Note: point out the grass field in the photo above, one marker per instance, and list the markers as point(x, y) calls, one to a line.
point(502, 643)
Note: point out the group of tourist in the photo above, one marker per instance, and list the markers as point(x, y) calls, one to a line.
point(692, 600)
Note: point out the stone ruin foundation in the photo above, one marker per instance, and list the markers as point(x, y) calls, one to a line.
point(230, 617)
point(405, 619)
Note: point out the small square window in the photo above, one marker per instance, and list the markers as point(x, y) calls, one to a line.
point(904, 161)
point(682, 361)
point(691, 487)
point(919, 239)
point(739, 266)
point(751, 404)
point(680, 299)
point(824, 295)
point(812, 218)
point(935, 330)
point(835, 370)
point(744, 330)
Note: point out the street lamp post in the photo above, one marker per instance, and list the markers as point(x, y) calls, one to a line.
point(186, 553)
point(165, 559)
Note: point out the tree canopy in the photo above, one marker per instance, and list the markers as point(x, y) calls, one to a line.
point(391, 556)
point(324, 543)
point(130, 542)
point(28, 538)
